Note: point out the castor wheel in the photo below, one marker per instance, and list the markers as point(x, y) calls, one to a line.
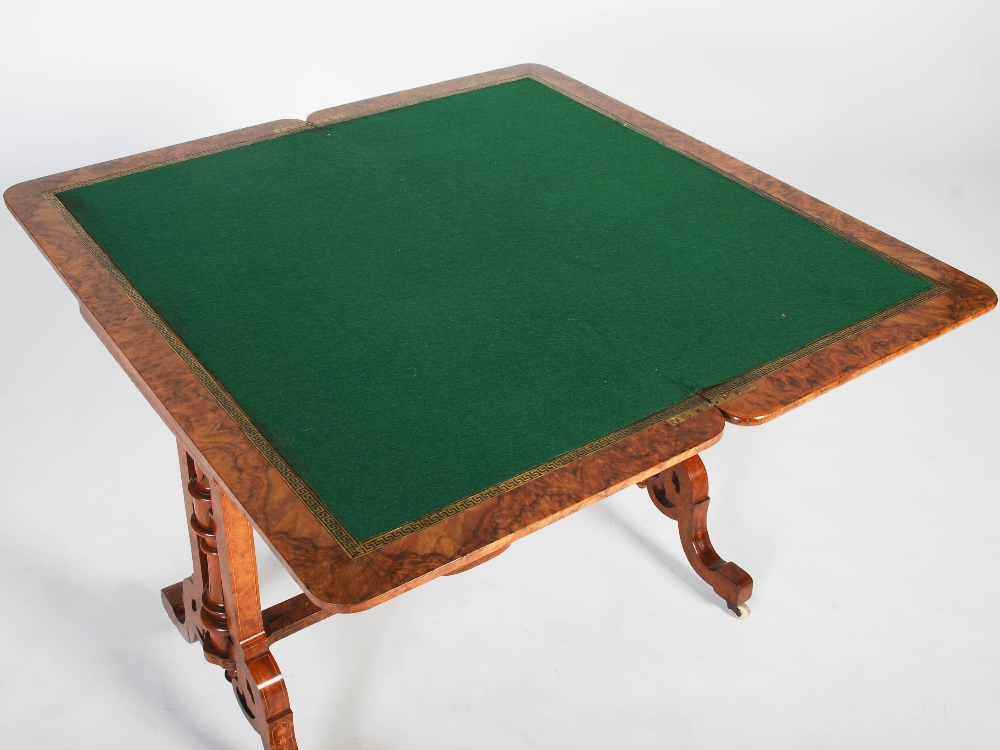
point(741, 612)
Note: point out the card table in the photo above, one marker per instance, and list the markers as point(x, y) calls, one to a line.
point(399, 335)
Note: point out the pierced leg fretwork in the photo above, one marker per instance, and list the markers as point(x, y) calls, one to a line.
point(681, 493)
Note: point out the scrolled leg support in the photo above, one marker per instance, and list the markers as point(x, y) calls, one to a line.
point(260, 691)
point(681, 493)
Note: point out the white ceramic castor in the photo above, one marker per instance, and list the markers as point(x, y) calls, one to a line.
point(742, 612)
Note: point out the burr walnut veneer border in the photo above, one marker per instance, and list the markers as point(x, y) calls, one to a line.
point(326, 573)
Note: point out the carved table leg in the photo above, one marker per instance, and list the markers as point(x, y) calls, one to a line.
point(255, 677)
point(196, 605)
point(219, 605)
point(681, 493)
point(183, 601)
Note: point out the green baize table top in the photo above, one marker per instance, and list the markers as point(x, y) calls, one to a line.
point(416, 305)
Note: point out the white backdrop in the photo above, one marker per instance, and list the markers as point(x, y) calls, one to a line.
point(868, 518)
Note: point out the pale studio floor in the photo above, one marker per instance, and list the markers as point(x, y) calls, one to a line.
point(868, 518)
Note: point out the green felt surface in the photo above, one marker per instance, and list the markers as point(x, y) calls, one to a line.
point(419, 304)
